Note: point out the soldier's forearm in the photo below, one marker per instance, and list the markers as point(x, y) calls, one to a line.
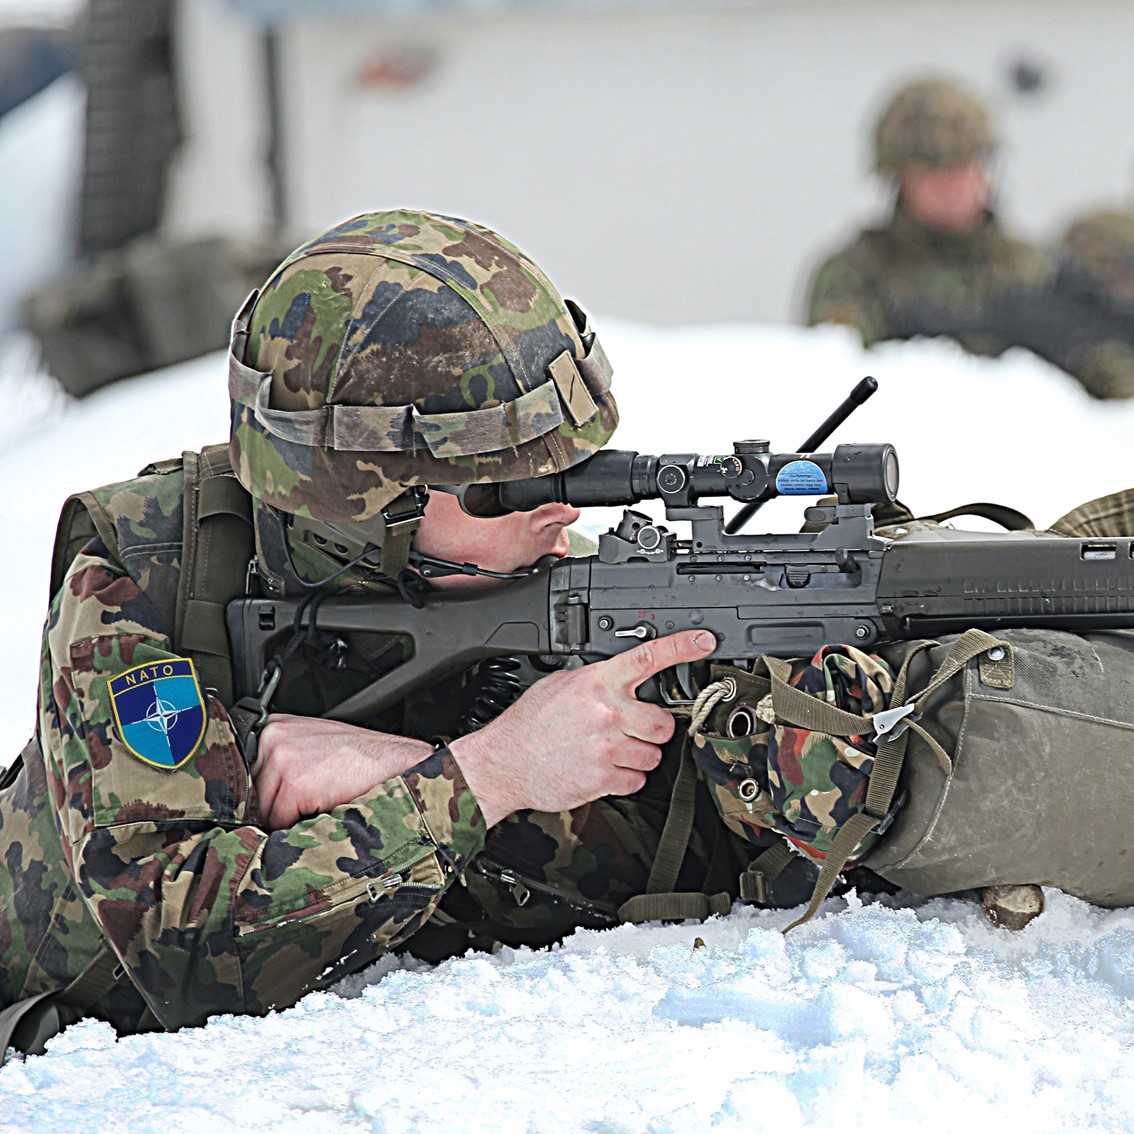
point(309, 765)
point(489, 777)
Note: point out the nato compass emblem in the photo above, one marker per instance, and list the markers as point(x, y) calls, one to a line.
point(160, 712)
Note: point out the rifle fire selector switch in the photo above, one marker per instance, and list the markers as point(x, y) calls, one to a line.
point(643, 631)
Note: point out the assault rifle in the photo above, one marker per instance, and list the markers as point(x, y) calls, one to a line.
point(780, 594)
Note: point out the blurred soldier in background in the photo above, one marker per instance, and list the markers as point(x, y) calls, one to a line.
point(942, 265)
point(1097, 260)
point(1096, 272)
point(942, 249)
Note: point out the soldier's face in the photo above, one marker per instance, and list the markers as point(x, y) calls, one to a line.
point(952, 198)
point(502, 543)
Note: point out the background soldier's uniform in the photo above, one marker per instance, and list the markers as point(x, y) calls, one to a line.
point(1096, 273)
point(984, 289)
point(904, 279)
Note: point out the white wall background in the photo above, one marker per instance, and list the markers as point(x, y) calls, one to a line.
point(678, 162)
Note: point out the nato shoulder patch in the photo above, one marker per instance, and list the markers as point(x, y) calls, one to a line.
point(159, 711)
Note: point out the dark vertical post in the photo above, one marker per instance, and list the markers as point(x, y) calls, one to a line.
point(276, 154)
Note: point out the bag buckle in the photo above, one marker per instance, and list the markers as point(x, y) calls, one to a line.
point(520, 893)
point(889, 724)
point(887, 820)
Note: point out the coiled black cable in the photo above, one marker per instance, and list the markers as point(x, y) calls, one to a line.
point(493, 686)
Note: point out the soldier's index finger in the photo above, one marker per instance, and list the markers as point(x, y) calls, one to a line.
point(636, 665)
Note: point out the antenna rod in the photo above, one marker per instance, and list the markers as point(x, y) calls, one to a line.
point(865, 389)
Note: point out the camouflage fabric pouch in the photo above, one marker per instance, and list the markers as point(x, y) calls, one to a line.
point(773, 773)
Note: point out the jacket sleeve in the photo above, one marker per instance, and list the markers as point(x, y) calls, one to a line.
point(841, 291)
point(207, 911)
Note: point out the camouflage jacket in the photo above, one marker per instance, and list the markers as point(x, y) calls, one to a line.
point(983, 289)
point(903, 279)
point(205, 911)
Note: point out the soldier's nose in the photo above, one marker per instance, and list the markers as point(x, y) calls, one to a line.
point(554, 515)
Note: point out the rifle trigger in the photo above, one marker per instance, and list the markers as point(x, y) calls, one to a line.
point(684, 676)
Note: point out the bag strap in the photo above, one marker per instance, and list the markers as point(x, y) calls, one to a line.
point(81, 518)
point(28, 1024)
point(674, 906)
point(661, 902)
point(765, 868)
point(898, 722)
point(216, 550)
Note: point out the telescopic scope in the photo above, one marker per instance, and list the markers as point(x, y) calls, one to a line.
point(856, 474)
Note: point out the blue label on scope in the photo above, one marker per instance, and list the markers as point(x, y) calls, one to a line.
point(801, 478)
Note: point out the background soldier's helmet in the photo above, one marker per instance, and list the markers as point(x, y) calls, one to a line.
point(933, 122)
point(401, 349)
point(1097, 259)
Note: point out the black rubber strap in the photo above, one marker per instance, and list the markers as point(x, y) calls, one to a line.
point(1008, 518)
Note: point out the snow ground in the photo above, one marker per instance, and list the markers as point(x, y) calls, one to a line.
point(870, 1019)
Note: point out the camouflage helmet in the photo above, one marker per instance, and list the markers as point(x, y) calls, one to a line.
point(404, 349)
point(1097, 258)
point(934, 122)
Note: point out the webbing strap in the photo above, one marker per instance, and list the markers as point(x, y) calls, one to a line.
point(660, 902)
point(217, 545)
point(766, 867)
point(674, 840)
point(673, 907)
point(399, 429)
point(1010, 519)
point(95, 982)
point(396, 543)
point(28, 1024)
point(888, 762)
point(798, 708)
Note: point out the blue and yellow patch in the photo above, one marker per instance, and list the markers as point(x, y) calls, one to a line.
point(160, 712)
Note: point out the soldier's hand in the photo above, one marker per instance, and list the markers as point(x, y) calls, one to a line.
point(308, 766)
point(576, 735)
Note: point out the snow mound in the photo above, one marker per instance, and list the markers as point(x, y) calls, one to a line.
point(871, 1019)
